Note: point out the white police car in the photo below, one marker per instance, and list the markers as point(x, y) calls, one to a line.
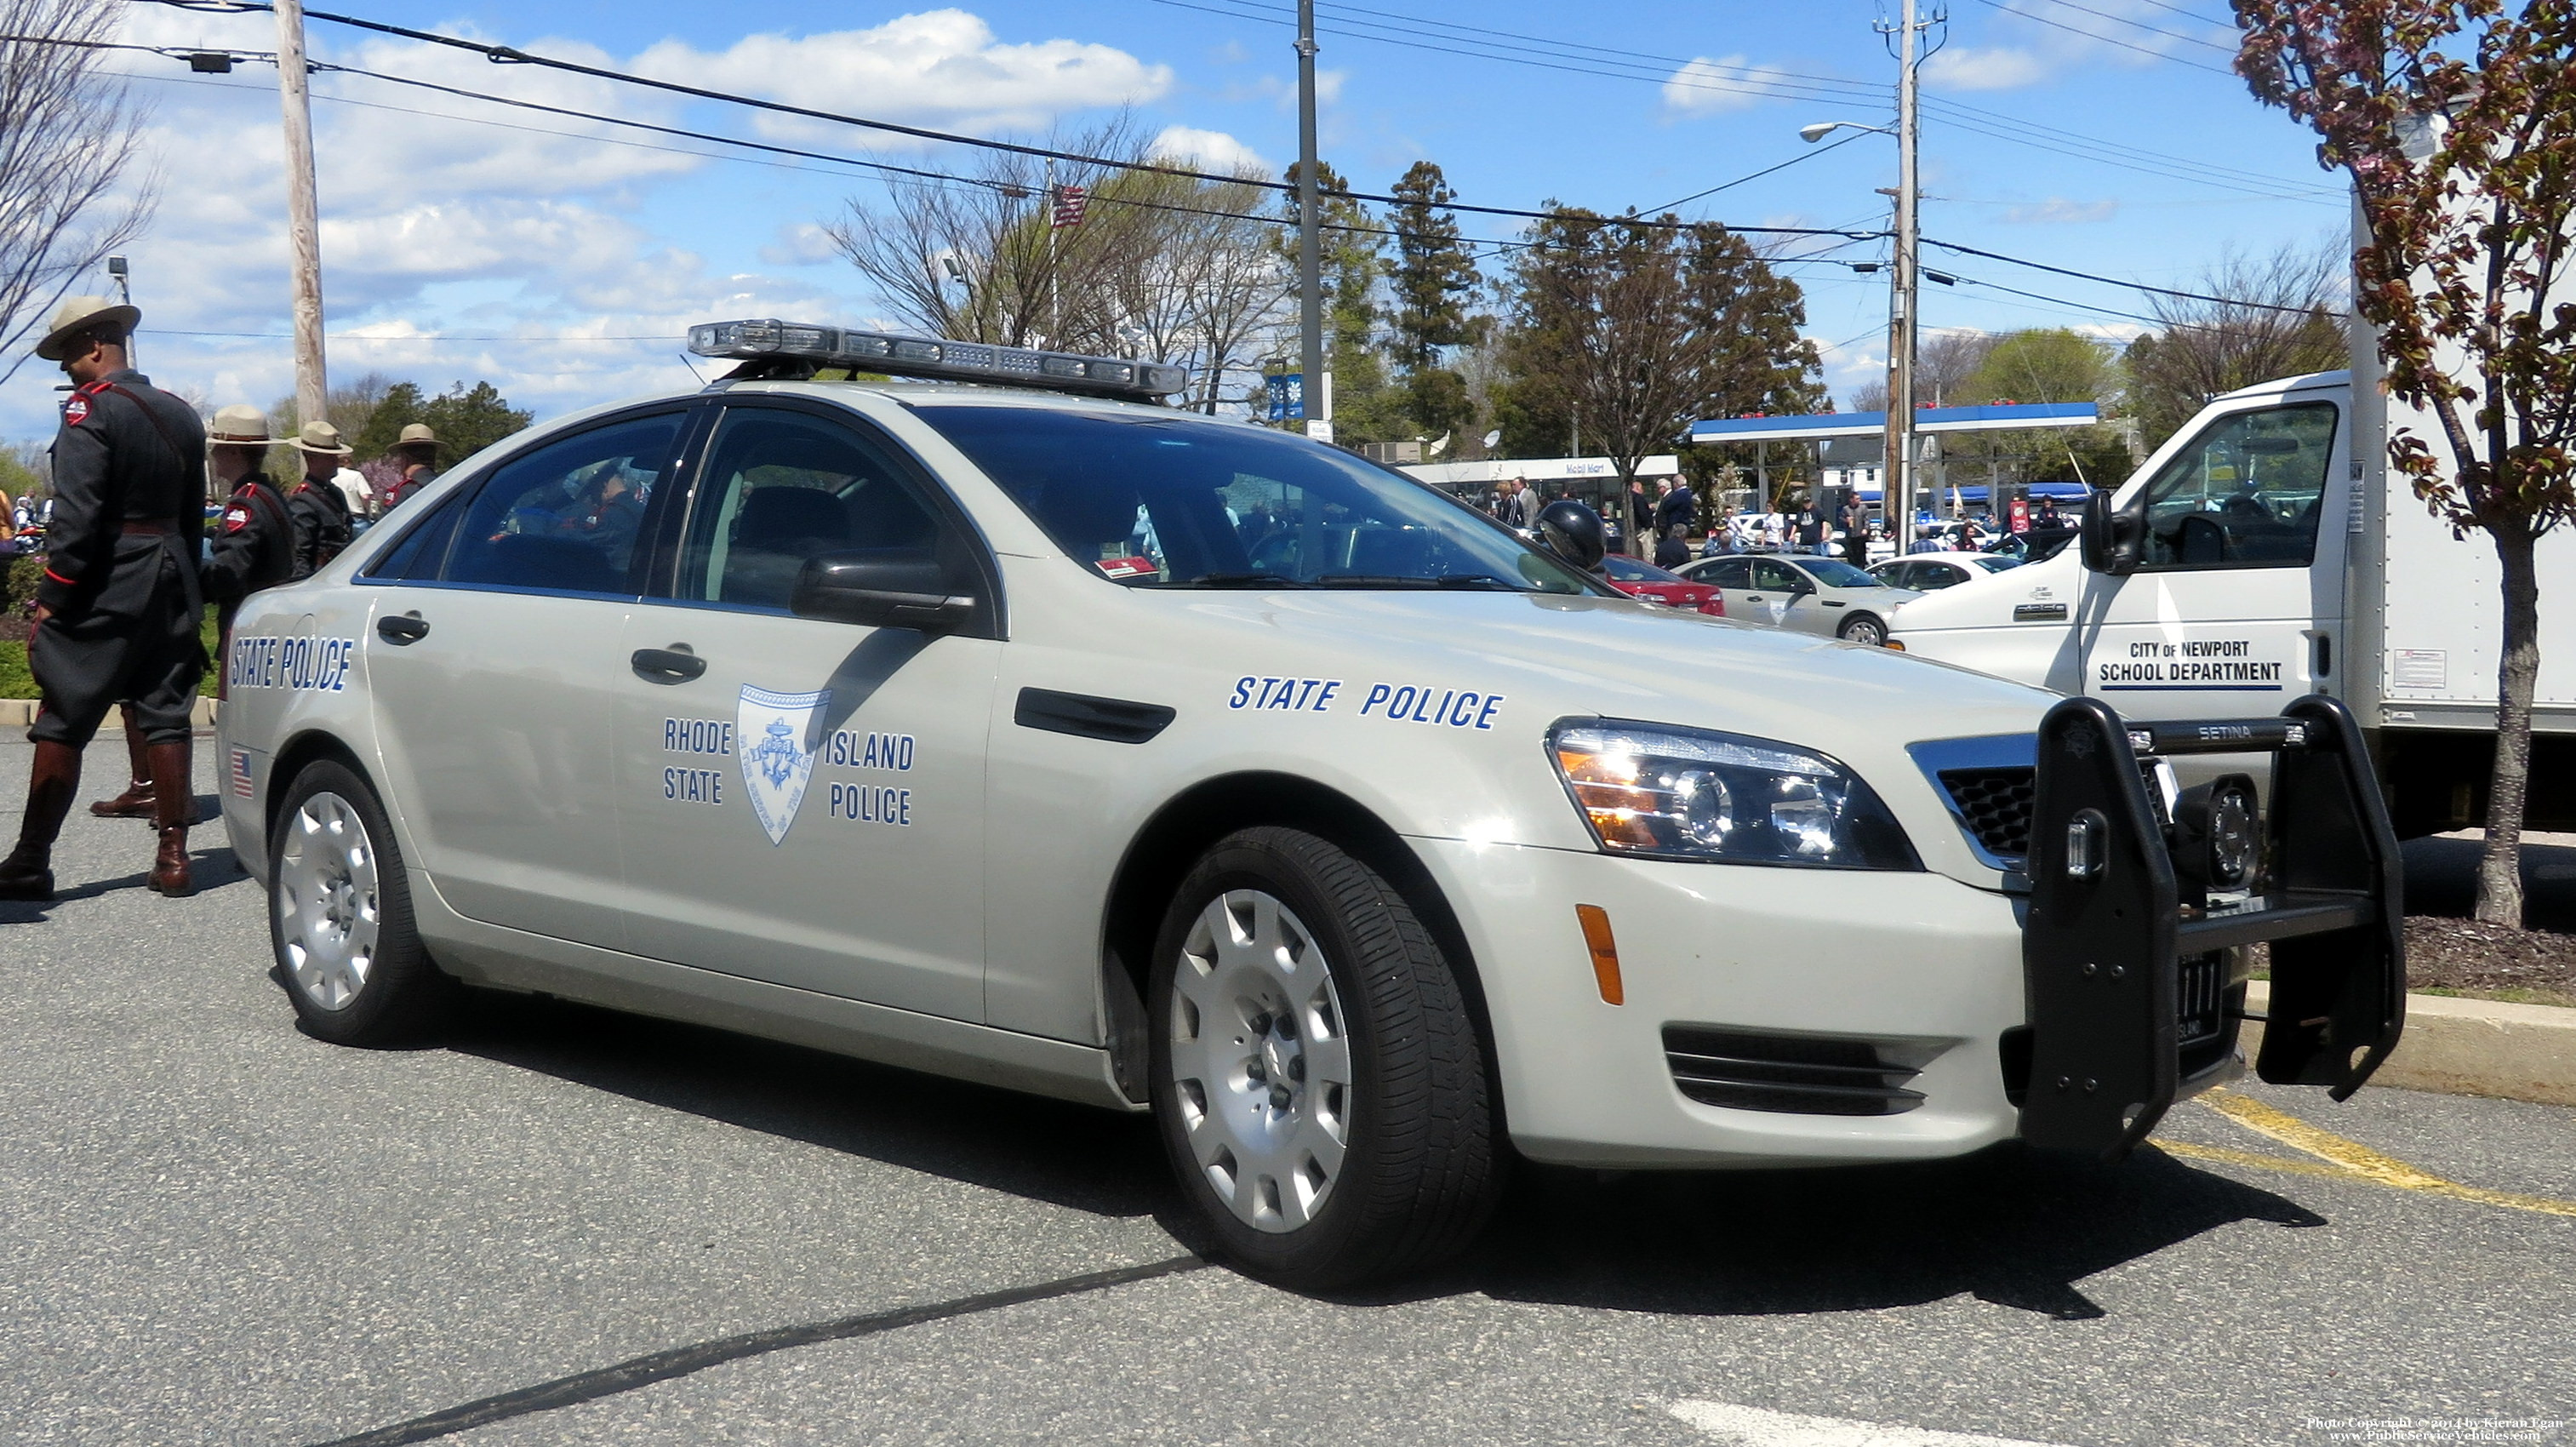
point(1034, 736)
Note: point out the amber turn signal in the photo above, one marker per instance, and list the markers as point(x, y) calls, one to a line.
point(1605, 952)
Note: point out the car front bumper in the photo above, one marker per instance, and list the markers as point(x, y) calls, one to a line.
point(1923, 965)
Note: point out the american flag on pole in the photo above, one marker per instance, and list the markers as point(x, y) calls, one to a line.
point(1069, 201)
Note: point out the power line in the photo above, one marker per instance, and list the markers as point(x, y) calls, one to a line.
point(2142, 25)
point(2097, 35)
point(2115, 281)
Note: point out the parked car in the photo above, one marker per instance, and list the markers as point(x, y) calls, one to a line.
point(1931, 572)
point(1645, 580)
point(1812, 595)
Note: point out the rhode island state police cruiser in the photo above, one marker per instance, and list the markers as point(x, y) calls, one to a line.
point(117, 609)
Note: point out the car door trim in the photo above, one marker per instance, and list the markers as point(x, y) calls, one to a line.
point(1112, 720)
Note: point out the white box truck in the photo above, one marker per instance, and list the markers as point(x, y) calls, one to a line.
point(2266, 551)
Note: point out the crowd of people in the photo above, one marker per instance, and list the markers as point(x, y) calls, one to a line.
point(153, 513)
point(1658, 525)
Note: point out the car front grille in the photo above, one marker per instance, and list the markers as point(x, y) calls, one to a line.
point(1796, 1074)
point(1994, 805)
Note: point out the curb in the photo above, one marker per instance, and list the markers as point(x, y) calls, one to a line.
point(2469, 1047)
point(18, 713)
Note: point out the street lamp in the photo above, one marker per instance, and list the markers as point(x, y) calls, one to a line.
point(1896, 493)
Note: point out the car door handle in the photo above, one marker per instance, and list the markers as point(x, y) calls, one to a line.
point(668, 665)
point(400, 628)
point(1830, 603)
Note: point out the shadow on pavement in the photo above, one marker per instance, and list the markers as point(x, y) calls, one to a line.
point(2442, 879)
point(2009, 1226)
point(212, 869)
point(1046, 1150)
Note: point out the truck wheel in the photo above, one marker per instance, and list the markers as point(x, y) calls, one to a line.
point(1317, 1079)
point(1863, 628)
point(340, 916)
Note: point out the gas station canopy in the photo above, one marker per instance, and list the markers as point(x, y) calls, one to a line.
point(1814, 427)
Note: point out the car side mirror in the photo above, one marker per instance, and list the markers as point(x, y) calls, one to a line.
point(880, 589)
point(2109, 539)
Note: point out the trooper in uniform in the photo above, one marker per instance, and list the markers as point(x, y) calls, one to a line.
point(117, 609)
point(416, 453)
point(253, 548)
point(320, 510)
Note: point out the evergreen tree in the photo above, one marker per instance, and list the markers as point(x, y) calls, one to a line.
point(1433, 278)
point(401, 406)
point(467, 420)
point(1353, 262)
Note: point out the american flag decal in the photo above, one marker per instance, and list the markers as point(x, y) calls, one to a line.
point(241, 774)
point(1069, 201)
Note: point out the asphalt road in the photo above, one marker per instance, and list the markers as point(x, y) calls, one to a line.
point(563, 1226)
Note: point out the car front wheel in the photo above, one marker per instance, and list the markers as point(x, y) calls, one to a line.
point(1318, 1080)
point(1863, 628)
point(340, 916)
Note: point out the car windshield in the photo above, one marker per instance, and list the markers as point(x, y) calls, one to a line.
point(1835, 573)
point(1996, 562)
point(1624, 569)
point(1182, 502)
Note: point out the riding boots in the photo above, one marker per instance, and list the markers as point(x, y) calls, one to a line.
point(136, 801)
point(174, 805)
point(28, 871)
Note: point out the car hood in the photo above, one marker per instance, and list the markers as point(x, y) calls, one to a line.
point(1553, 657)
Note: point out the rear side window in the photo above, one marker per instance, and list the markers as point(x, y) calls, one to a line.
point(564, 518)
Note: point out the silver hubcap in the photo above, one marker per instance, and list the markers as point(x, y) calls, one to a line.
point(1261, 1063)
point(326, 901)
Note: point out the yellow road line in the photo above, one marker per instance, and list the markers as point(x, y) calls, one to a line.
point(2345, 1158)
point(2224, 1156)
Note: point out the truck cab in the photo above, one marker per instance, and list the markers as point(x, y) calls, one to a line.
point(2212, 581)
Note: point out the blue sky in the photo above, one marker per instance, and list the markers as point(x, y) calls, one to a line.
point(455, 249)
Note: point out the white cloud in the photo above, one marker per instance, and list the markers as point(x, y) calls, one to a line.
point(546, 254)
point(1999, 67)
point(2057, 209)
point(942, 68)
point(1708, 87)
point(1210, 151)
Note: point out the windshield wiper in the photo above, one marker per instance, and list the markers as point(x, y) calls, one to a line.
point(1477, 580)
point(1235, 580)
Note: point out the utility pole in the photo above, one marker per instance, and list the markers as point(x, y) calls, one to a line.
point(1310, 258)
point(303, 221)
point(1896, 490)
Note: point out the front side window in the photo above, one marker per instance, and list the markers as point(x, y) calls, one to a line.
point(2245, 493)
point(781, 487)
point(564, 518)
point(1180, 502)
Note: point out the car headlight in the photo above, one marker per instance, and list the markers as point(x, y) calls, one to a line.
point(1679, 793)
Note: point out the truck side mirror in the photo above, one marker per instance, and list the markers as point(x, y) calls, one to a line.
point(2103, 535)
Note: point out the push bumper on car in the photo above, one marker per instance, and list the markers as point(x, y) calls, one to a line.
point(2133, 928)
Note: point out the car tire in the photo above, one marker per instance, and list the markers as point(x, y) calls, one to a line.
point(1329, 1125)
point(339, 917)
point(1864, 628)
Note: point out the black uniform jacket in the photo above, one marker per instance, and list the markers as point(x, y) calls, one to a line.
point(128, 452)
point(321, 514)
point(254, 542)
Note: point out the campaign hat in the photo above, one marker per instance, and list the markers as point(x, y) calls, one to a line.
point(81, 316)
point(321, 437)
point(239, 425)
point(416, 434)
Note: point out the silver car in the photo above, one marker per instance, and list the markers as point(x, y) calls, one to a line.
point(1931, 572)
point(1809, 594)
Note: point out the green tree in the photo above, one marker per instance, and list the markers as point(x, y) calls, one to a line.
point(1433, 279)
point(469, 419)
point(1353, 261)
point(2456, 120)
point(2042, 364)
point(400, 406)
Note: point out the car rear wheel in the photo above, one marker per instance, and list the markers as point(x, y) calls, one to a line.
point(1318, 1080)
point(340, 916)
point(1863, 628)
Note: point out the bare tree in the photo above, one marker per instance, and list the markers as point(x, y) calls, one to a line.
point(68, 135)
point(2207, 348)
point(1197, 280)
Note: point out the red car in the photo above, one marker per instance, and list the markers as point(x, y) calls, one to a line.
point(1645, 580)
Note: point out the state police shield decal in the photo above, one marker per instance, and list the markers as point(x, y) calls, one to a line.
point(770, 731)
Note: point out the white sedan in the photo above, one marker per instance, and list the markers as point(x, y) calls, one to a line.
point(1803, 593)
point(1931, 572)
point(1175, 765)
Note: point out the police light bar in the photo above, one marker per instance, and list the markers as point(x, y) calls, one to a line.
point(938, 360)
